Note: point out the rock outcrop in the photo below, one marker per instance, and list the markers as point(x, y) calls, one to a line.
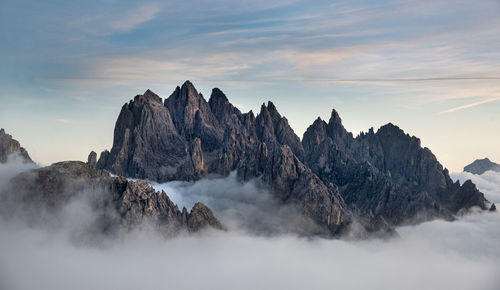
point(192, 137)
point(9, 146)
point(480, 166)
point(386, 173)
point(115, 202)
point(377, 179)
point(92, 159)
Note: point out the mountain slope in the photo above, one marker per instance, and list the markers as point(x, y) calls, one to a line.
point(480, 166)
point(109, 203)
point(386, 173)
point(376, 179)
point(192, 137)
point(9, 146)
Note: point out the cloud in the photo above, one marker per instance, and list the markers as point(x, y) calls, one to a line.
point(136, 17)
point(488, 183)
point(15, 164)
point(460, 255)
point(247, 207)
point(64, 121)
point(115, 19)
point(459, 108)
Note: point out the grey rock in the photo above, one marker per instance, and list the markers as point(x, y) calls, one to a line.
point(146, 143)
point(294, 183)
point(116, 202)
point(480, 166)
point(377, 179)
point(9, 146)
point(201, 217)
point(92, 159)
point(215, 137)
point(386, 174)
point(192, 116)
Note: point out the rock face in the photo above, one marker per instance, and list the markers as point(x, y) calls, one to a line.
point(92, 159)
point(10, 146)
point(377, 179)
point(116, 203)
point(480, 166)
point(386, 174)
point(187, 138)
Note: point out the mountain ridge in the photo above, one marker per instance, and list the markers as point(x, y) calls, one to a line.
point(9, 145)
point(480, 166)
point(336, 179)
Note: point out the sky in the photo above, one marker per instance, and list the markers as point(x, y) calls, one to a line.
point(430, 67)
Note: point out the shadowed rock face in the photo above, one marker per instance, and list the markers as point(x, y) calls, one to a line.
point(386, 173)
point(480, 166)
point(376, 179)
point(115, 202)
point(147, 144)
point(9, 146)
point(215, 137)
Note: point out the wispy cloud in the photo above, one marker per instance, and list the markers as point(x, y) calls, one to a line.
point(64, 121)
point(136, 17)
point(107, 21)
point(459, 108)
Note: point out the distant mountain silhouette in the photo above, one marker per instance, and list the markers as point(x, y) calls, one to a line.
point(480, 166)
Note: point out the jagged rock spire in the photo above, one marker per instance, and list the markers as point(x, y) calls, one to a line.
point(9, 146)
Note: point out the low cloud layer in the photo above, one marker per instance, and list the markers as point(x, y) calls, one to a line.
point(249, 207)
point(488, 183)
point(436, 255)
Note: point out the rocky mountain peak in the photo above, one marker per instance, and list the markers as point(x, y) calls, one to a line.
point(381, 176)
point(315, 134)
point(480, 166)
point(218, 97)
point(335, 118)
point(9, 146)
point(320, 130)
point(184, 96)
point(272, 127)
point(92, 159)
point(392, 133)
point(147, 98)
point(390, 129)
point(221, 107)
point(192, 115)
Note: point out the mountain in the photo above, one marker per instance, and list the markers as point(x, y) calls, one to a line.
point(386, 173)
point(377, 179)
point(114, 202)
point(187, 137)
point(480, 166)
point(9, 146)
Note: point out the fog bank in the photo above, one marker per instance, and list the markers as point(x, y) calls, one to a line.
point(435, 255)
point(245, 207)
point(488, 183)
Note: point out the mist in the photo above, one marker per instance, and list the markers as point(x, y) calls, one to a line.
point(488, 183)
point(435, 255)
point(248, 207)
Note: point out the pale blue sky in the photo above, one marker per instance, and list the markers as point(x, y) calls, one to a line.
point(431, 67)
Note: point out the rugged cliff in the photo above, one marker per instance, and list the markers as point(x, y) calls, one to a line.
point(480, 166)
point(386, 173)
point(9, 146)
point(111, 203)
point(376, 179)
point(188, 137)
